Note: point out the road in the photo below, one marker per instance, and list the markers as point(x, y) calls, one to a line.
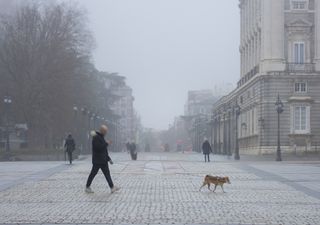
point(161, 188)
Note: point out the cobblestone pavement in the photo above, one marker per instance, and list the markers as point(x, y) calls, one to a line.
point(163, 188)
point(13, 173)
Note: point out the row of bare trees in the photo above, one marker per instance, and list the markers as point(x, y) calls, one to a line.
point(45, 66)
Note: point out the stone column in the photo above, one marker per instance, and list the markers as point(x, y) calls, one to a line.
point(259, 47)
point(225, 142)
point(215, 136)
point(317, 35)
point(219, 135)
point(255, 47)
point(244, 65)
point(249, 16)
point(229, 133)
point(273, 35)
point(241, 62)
point(252, 53)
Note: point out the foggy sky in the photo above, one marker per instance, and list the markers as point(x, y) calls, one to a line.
point(165, 48)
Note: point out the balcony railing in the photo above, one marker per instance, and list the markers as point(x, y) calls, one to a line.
point(301, 67)
point(290, 67)
point(249, 75)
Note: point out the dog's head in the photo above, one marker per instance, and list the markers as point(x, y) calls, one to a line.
point(227, 180)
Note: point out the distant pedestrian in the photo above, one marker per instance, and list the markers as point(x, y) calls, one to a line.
point(100, 159)
point(69, 146)
point(133, 151)
point(167, 147)
point(206, 148)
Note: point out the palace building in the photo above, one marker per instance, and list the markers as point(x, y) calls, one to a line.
point(280, 55)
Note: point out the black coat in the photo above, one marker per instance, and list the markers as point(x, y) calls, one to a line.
point(206, 147)
point(100, 153)
point(133, 148)
point(70, 144)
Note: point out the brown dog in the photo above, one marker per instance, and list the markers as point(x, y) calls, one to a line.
point(216, 181)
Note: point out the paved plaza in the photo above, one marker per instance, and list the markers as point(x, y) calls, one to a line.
point(161, 188)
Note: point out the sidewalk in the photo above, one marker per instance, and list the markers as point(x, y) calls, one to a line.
point(14, 173)
point(163, 188)
point(305, 157)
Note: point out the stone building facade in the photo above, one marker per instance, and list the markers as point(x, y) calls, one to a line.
point(125, 120)
point(125, 110)
point(199, 102)
point(197, 116)
point(280, 55)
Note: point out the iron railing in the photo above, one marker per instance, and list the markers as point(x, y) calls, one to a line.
point(301, 67)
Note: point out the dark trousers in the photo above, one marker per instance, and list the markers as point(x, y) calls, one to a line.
point(207, 156)
point(70, 156)
point(133, 155)
point(105, 170)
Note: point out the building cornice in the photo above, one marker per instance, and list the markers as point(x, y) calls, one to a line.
point(232, 96)
point(301, 99)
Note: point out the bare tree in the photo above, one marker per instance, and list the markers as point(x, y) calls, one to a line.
point(45, 52)
point(41, 48)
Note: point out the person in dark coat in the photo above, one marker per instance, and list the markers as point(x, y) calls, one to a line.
point(69, 146)
point(100, 159)
point(167, 147)
point(133, 151)
point(206, 148)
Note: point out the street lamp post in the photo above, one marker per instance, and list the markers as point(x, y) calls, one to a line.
point(279, 108)
point(93, 118)
point(215, 135)
point(229, 132)
point(84, 130)
point(115, 136)
point(219, 134)
point(75, 128)
point(237, 113)
point(89, 113)
point(97, 118)
point(7, 101)
point(196, 135)
point(225, 133)
point(211, 124)
point(75, 110)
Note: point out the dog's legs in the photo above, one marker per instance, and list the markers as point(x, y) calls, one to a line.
point(209, 187)
point(215, 187)
point(222, 188)
point(204, 184)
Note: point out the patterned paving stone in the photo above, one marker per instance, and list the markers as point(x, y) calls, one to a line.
point(163, 190)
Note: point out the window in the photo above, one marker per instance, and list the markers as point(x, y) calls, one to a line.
point(300, 122)
point(299, 5)
point(298, 53)
point(301, 119)
point(300, 87)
